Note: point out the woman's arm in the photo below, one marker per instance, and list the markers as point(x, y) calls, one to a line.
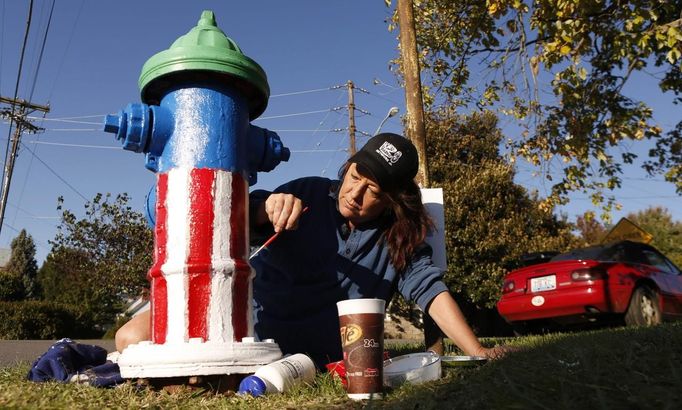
point(447, 315)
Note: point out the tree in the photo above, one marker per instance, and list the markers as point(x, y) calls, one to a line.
point(489, 220)
point(11, 287)
point(667, 233)
point(560, 68)
point(591, 230)
point(99, 261)
point(22, 263)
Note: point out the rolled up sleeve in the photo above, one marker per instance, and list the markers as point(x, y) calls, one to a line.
point(422, 281)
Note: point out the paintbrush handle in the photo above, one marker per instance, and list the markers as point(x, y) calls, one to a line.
point(271, 239)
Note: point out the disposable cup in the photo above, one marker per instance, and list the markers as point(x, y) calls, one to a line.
point(362, 339)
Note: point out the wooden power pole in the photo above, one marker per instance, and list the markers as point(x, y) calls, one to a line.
point(416, 130)
point(351, 116)
point(20, 109)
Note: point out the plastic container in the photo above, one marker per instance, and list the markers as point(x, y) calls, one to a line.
point(279, 376)
point(414, 368)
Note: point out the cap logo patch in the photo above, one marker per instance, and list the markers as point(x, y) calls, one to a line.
point(389, 152)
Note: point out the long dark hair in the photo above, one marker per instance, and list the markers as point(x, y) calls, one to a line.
point(407, 220)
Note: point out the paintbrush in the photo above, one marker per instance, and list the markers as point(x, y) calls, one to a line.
point(271, 239)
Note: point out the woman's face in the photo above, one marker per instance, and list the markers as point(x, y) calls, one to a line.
point(360, 198)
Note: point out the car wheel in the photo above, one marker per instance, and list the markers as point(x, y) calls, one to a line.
point(644, 309)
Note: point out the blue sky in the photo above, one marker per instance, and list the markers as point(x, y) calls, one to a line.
point(93, 56)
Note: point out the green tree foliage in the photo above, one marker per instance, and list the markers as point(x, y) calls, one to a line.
point(99, 260)
point(22, 263)
point(560, 68)
point(667, 233)
point(489, 220)
point(11, 286)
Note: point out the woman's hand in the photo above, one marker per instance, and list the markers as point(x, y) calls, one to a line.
point(495, 352)
point(283, 211)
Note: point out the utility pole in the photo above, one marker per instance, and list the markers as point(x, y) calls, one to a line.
point(351, 116)
point(17, 114)
point(416, 130)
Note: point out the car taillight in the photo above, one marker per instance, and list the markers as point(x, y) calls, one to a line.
point(587, 274)
point(508, 286)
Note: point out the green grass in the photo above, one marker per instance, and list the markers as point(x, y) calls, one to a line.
point(606, 369)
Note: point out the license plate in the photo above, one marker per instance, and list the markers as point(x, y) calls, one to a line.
point(543, 283)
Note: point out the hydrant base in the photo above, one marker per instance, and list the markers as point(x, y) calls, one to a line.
point(148, 360)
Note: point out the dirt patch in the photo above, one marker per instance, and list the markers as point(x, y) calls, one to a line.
point(400, 328)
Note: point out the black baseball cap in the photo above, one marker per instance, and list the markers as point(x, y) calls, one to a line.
point(390, 159)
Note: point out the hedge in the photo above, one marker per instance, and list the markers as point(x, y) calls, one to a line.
point(41, 320)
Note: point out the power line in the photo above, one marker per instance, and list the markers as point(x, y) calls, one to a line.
point(72, 120)
point(59, 144)
point(64, 54)
point(119, 148)
point(33, 86)
point(16, 93)
point(301, 92)
point(270, 117)
point(2, 39)
point(54, 172)
point(42, 51)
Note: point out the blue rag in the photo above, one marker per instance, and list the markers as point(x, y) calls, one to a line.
point(67, 361)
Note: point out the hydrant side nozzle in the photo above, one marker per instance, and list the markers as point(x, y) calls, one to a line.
point(285, 154)
point(116, 124)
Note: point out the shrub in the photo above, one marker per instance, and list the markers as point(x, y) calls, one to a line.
point(42, 320)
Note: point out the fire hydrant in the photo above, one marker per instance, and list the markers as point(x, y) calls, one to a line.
point(199, 97)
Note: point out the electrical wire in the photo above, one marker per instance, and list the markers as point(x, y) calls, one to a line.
point(16, 88)
point(30, 98)
point(2, 39)
point(54, 172)
point(60, 144)
point(270, 117)
point(301, 92)
point(66, 120)
point(42, 51)
point(64, 54)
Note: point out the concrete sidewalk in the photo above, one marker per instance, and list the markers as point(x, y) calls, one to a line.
point(15, 351)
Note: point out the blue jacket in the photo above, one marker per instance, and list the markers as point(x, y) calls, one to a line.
point(302, 274)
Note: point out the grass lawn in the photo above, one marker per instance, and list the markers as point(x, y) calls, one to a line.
point(607, 369)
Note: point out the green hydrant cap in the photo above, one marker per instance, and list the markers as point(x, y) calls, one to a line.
point(207, 49)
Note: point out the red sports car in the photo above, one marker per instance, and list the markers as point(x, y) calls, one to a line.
point(621, 280)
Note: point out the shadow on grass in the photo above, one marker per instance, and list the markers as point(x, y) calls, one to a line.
point(611, 368)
